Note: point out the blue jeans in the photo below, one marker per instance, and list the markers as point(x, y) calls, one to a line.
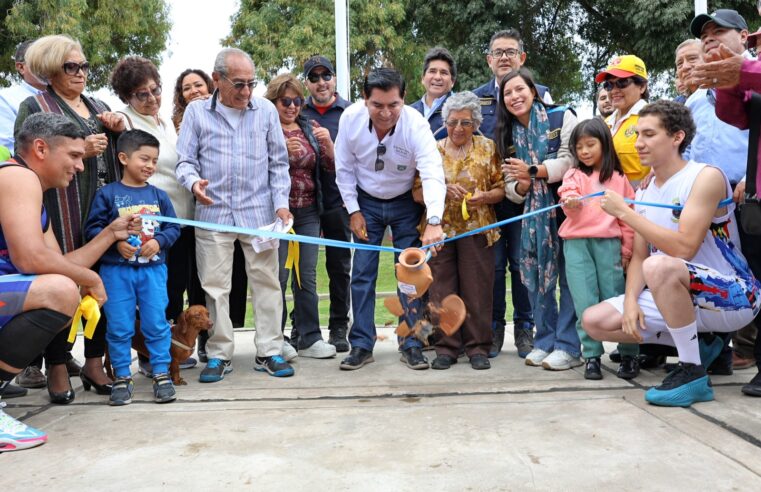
point(556, 330)
point(306, 318)
point(144, 287)
point(402, 215)
point(508, 250)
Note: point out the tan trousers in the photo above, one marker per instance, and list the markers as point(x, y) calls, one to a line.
point(214, 255)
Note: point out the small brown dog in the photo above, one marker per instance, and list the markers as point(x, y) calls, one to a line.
point(190, 323)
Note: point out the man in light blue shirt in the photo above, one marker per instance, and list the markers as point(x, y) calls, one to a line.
point(233, 158)
point(439, 76)
point(11, 97)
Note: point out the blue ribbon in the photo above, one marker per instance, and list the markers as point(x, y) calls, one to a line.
point(387, 249)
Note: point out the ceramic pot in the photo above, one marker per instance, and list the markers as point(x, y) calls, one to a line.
point(451, 313)
point(413, 273)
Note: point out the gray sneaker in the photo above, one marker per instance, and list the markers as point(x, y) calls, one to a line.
point(163, 389)
point(121, 392)
point(524, 341)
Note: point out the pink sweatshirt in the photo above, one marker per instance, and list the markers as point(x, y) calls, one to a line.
point(730, 103)
point(589, 220)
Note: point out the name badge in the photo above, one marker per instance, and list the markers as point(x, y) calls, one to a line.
point(553, 134)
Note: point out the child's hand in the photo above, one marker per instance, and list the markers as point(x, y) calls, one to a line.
point(126, 249)
point(150, 249)
point(571, 202)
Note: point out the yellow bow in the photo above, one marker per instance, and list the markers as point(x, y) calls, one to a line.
point(292, 262)
point(465, 214)
point(88, 308)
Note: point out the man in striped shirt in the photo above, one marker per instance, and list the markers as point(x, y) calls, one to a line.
point(233, 158)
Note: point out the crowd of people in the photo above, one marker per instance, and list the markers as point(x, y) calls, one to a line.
point(79, 181)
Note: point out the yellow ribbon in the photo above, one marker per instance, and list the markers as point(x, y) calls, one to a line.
point(292, 262)
point(88, 309)
point(465, 214)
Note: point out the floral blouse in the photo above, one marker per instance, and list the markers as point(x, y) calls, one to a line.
point(478, 170)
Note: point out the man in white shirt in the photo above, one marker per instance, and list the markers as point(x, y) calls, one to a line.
point(381, 144)
point(11, 97)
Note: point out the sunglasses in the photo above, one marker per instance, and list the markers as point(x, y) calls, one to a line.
point(315, 77)
point(462, 123)
point(287, 101)
point(238, 86)
point(73, 68)
point(608, 85)
point(143, 96)
point(379, 152)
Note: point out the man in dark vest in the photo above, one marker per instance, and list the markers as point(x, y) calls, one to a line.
point(439, 76)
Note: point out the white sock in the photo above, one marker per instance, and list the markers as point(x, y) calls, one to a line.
point(686, 341)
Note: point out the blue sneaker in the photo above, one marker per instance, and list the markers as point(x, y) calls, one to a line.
point(121, 392)
point(15, 435)
point(685, 385)
point(215, 371)
point(710, 351)
point(274, 365)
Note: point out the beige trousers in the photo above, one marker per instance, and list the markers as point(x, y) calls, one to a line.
point(214, 255)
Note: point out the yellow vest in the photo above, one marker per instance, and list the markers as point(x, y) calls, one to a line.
point(623, 142)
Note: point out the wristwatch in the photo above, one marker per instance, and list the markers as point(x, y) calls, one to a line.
point(434, 221)
point(532, 170)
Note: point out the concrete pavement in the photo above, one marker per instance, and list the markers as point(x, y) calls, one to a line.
point(386, 427)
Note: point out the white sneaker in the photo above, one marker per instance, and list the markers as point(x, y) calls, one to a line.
point(535, 357)
point(560, 360)
point(15, 435)
point(319, 350)
point(289, 353)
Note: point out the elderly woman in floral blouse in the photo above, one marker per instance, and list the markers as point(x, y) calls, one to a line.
point(466, 267)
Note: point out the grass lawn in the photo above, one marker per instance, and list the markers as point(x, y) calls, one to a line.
point(386, 283)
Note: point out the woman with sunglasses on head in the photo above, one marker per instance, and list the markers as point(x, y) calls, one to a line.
point(137, 82)
point(625, 79)
point(310, 149)
point(58, 60)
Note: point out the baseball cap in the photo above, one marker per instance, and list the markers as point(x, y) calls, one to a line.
point(317, 61)
point(722, 17)
point(622, 67)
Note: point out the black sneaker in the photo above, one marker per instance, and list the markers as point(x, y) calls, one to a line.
point(615, 356)
point(202, 338)
point(685, 385)
point(273, 365)
point(498, 339)
point(11, 390)
point(163, 389)
point(592, 369)
point(215, 370)
point(524, 341)
point(121, 392)
point(629, 367)
point(338, 339)
point(480, 362)
point(357, 358)
point(414, 359)
point(754, 387)
point(442, 362)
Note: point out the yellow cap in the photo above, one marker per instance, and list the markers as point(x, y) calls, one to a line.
point(622, 67)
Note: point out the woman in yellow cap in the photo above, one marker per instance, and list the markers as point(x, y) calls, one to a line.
point(625, 79)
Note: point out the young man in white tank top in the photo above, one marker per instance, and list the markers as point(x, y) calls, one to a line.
point(687, 273)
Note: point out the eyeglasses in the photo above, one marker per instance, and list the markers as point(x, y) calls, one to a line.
point(315, 77)
point(499, 53)
point(287, 101)
point(608, 85)
point(238, 86)
point(379, 152)
point(143, 96)
point(73, 68)
point(462, 123)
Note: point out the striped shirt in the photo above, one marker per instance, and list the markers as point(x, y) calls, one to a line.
point(246, 166)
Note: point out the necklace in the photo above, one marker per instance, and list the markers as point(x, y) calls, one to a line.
point(460, 151)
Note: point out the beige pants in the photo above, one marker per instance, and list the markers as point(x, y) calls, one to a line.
point(214, 254)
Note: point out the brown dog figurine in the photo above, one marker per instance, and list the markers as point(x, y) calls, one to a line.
point(190, 323)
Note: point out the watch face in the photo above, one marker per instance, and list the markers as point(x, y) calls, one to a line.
point(532, 170)
point(434, 221)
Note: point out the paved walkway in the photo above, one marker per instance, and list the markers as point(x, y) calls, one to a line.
point(388, 428)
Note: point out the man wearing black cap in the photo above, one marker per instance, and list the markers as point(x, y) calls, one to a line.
point(326, 106)
point(725, 146)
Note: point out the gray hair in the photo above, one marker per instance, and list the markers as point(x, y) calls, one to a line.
point(48, 127)
point(220, 62)
point(687, 43)
point(462, 101)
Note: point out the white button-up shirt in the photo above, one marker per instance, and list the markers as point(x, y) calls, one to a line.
point(410, 147)
point(10, 99)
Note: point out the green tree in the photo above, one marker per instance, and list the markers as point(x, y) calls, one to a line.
point(106, 30)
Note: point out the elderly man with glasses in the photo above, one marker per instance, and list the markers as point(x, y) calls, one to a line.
point(381, 144)
point(233, 158)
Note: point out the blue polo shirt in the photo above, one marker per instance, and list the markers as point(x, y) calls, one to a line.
point(716, 142)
